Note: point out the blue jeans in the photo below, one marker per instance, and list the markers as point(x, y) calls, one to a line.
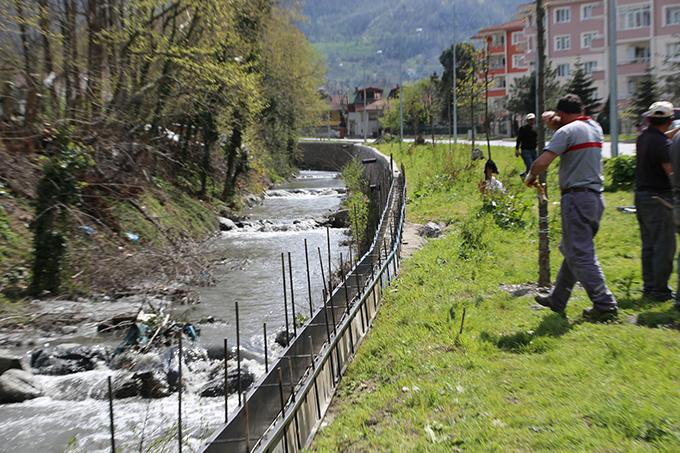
point(529, 156)
point(657, 232)
point(581, 215)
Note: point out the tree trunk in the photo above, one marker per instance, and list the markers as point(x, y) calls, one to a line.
point(67, 44)
point(235, 142)
point(32, 99)
point(543, 224)
point(48, 67)
point(95, 57)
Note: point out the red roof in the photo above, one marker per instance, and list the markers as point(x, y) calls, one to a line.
point(516, 24)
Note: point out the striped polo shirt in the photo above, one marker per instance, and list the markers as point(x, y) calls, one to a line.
point(579, 145)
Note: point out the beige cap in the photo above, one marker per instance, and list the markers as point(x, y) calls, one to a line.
point(661, 109)
point(530, 116)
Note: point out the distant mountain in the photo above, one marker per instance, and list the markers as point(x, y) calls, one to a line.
point(365, 40)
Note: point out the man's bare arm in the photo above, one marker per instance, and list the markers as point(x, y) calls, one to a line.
point(673, 132)
point(540, 165)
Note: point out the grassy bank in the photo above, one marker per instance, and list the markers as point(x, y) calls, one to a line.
point(517, 378)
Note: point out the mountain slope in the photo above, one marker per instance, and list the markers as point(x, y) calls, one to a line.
point(364, 41)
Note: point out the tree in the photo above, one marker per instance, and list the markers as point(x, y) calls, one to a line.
point(465, 55)
point(581, 84)
point(522, 93)
point(422, 103)
point(673, 81)
point(603, 117)
point(646, 93)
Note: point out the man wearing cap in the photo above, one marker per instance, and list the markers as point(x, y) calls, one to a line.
point(526, 142)
point(653, 200)
point(675, 183)
point(578, 142)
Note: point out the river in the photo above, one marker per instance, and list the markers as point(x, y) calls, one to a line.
point(71, 418)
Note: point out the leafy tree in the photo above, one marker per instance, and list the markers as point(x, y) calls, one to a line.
point(465, 55)
point(581, 84)
point(421, 106)
point(673, 81)
point(603, 117)
point(646, 93)
point(522, 93)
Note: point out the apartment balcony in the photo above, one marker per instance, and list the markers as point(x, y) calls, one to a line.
point(598, 75)
point(633, 66)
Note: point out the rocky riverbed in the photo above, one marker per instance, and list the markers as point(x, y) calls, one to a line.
point(58, 355)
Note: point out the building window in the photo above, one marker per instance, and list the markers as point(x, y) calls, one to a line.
point(639, 54)
point(632, 17)
point(672, 16)
point(498, 82)
point(530, 43)
point(562, 15)
point(587, 39)
point(590, 66)
point(563, 70)
point(497, 62)
point(517, 37)
point(518, 61)
point(587, 11)
point(563, 42)
point(673, 52)
point(497, 39)
point(633, 83)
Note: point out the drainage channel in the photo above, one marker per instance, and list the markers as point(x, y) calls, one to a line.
point(285, 408)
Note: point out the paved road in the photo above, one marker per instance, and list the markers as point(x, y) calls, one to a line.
point(625, 149)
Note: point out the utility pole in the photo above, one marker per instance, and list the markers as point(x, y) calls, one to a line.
point(613, 88)
point(543, 225)
point(487, 120)
point(365, 118)
point(455, 77)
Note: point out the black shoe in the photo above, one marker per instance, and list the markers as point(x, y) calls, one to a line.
point(547, 302)
point(658, 297)
point(594, 314)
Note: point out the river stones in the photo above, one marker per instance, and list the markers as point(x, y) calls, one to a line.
point(339, 219)
point(67, 359)
point(226, 224)
point(431, 230)
point(9, 361)
point(17, 386)
point(215, 386)
point(283, 338)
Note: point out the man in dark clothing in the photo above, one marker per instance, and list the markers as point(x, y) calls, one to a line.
point(653, 199)
point(526, 142)
point(675, 182)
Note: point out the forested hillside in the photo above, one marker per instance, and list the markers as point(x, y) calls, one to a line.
point(127, 125)
point(352, 33)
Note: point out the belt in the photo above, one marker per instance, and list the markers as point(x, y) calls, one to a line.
point(579, 189)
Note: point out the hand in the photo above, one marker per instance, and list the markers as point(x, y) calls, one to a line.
point(552, 120)
point(531, 180)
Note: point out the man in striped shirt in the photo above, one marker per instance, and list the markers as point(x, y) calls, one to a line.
point(578, 142)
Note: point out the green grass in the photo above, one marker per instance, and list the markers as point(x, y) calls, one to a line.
point(517, 379)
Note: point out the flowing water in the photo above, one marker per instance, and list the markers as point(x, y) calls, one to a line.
point(74, 417)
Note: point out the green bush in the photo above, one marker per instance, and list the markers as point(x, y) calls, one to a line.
point(620, 172)
point(507, 210)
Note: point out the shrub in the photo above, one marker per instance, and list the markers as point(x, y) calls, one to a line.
point(507, 210)
point(620, 172)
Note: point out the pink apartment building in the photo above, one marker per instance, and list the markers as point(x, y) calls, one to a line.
point(648, 36)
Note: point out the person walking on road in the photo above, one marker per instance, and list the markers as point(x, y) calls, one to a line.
point(526, 143)
point(653, 199)
point(578, 141)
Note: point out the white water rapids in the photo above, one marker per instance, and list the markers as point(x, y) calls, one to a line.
point(70, 417)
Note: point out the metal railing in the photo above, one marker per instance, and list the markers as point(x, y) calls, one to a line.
point(284, 409)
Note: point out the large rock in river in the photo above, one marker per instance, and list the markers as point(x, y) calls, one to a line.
point(9, 361)
point(17, 386)
point(67, 359)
